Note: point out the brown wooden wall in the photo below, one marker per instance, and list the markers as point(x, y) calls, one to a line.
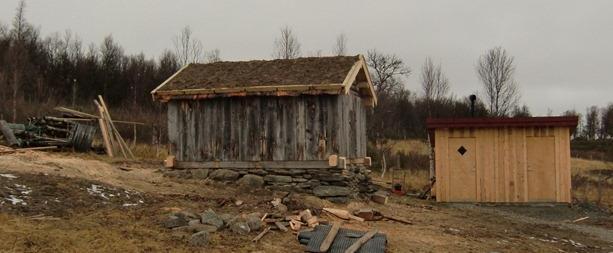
point(503, 164)
point(267, 128)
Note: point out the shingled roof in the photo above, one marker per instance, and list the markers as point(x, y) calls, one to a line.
point(310, 75)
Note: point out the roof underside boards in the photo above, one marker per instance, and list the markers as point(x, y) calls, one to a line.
point(311, 75)
point(561, 121)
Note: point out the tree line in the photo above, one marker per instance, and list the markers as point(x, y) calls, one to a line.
point(59, 69)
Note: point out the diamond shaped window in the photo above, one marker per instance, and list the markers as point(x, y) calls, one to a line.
point(462, 150)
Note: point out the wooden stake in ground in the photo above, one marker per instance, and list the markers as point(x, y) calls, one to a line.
point(325, 245)
point(357, 244)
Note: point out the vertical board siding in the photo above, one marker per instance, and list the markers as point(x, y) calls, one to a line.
point(502, 162)
point(267, 128)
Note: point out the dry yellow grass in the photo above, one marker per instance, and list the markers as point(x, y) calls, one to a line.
point(408, 146)
point(589, 184)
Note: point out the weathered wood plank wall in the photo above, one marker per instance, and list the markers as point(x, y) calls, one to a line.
point(530, 164)
point(267, 128)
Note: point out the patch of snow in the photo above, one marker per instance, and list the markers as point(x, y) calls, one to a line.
point(14, 200)
point(130, 204)
point(96, 190)
point(11, 176)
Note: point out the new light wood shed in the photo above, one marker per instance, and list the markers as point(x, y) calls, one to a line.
point(502, 159)
point(296, 113)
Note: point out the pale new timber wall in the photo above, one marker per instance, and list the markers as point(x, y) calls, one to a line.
point(530, 164)
point(267, 128)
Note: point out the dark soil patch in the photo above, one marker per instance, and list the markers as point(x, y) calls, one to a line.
point(39, 194)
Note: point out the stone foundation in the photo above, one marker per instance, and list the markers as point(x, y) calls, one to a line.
point(335, 184)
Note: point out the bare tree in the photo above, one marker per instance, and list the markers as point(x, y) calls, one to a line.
point(433, 81)
point(340, 47)
point(213, 56)
point(591, 123)
point(187, 48)
point(495, 69)
point(385, 70)
point(18, 52)
point(606, 122)
point(286, 46)
point(522, 111)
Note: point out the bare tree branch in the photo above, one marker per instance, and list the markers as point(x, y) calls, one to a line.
point(188, 49)
point(340, 47)
point(385, 71)
point(213, 56)
point(286, 46)
point(495, 69)
point(434, 83)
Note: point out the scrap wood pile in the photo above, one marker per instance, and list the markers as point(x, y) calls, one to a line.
point(48, 132)
point(320, 230)
point(73, 129)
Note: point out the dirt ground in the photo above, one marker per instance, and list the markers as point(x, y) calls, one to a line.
point(60, 203)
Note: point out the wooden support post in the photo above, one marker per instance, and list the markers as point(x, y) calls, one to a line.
point(357, 244)
point(325, 245)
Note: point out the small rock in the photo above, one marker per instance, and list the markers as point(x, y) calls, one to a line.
point(178, 174)
point(227, 218)
point(194, 222)
point(199, 239)
point(211, 218)
point(174, 221)
point(224, 175)
point(331, 191)
point(338, 200)
point(278, 179)
point(254, 222)
point(240, 227)
point(251, 182)
point(200, 173)
point(186, 215)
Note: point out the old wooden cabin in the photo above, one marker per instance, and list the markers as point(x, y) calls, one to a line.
point(304, 113)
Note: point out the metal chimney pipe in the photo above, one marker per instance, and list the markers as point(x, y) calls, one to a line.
point(472, 98)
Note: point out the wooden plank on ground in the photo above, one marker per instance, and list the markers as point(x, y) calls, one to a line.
point(325, 245)
point(357, 244)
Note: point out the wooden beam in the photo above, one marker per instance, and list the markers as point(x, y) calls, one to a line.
point(357, 244)
point(333, 160)
point(366, 161)
point(169, 162)
point(325, 245)
point(336, 87)
point(313, 164)
point(104, 130)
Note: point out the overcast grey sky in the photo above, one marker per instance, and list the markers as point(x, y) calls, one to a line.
point(563, 49)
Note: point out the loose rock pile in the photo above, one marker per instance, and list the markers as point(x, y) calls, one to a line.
point(201, 225)
point(334, 184)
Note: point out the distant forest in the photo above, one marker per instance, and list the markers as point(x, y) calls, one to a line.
point(39, 72)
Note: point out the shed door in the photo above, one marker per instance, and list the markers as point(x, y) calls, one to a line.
point(462, 170)
point(541, 169)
